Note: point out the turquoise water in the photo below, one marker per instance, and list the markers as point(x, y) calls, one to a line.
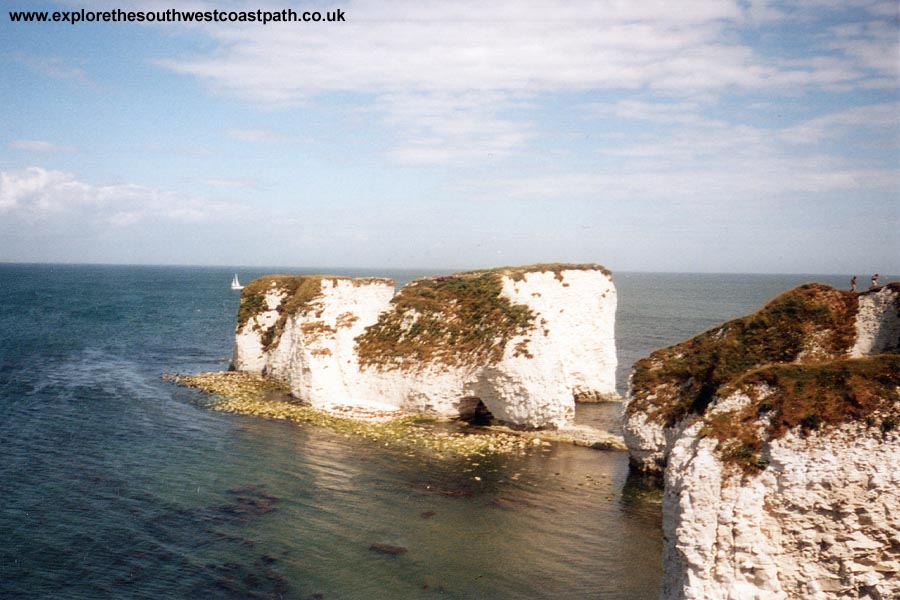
point(116, 484)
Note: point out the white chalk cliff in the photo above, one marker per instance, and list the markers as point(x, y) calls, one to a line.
point(778, 437)
point(820, 522)
point(526, 342)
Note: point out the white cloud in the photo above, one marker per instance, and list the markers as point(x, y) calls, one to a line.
point(256, 136)
point(884, 8)
point(444, 47)
point(680, 112)
point(447, 128)
point(431, 46)
point(762, 11)
point(714, 164)
point(37, 194)
point(872, 118)
point(871, 45)
point(232, 183)
point(40, 146)
point(57, 67)
point(178, 150)
point(423, 63)
point(723, 190)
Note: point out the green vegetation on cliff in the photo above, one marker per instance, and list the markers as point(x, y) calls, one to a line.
point(785, 367)
point(805, 396)
point(519, 273)
point(813, 322)
point(453, 320)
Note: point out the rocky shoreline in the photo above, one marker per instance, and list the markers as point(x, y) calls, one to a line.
point(257, 395)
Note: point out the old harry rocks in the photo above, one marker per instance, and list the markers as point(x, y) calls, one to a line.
point(524, 342)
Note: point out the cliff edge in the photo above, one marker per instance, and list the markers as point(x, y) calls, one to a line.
point(522, 343)
point(777, 436)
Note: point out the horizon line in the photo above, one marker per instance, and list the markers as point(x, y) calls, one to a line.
point(322, 270)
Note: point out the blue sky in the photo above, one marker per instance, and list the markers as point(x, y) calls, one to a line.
point(709, 136)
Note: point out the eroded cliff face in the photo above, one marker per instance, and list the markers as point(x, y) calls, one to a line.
point(525, 342)
point(315, 314)
point(820, 522)
point(878, 321)
point(778, 438)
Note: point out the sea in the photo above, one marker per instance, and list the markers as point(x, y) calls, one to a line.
point(115, 483)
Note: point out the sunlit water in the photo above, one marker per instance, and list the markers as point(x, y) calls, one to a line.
point(116, 484)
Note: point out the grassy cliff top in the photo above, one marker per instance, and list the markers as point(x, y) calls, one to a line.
point(299, 294)
point(790, 358)
point(807, 397)
point(518, 273)
point(455, 320)
point(810, 323)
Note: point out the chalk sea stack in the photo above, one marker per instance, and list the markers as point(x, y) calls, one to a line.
point(522, 343)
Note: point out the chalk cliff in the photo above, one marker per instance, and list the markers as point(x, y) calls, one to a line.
point(525, 342)
point(821, 521)
point(778, 438)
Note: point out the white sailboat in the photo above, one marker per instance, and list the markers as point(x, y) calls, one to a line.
point(235, 284)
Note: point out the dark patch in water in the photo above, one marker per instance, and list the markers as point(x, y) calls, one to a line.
point(237, 581)
point(502, 503)
point(251, 500)
point(512, 503)
point(388, 549)
point(254, 490)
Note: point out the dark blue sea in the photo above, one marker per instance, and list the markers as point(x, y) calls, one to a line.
point(117, 484)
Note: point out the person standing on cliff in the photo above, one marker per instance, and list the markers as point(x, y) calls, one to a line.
point(853, 284)
point(874, 281)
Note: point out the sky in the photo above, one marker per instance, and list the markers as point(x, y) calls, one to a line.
point(645, 135)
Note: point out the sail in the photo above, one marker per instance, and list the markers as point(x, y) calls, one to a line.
point(235, 284)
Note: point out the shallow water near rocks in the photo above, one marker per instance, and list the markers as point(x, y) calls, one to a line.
point(117, 484)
